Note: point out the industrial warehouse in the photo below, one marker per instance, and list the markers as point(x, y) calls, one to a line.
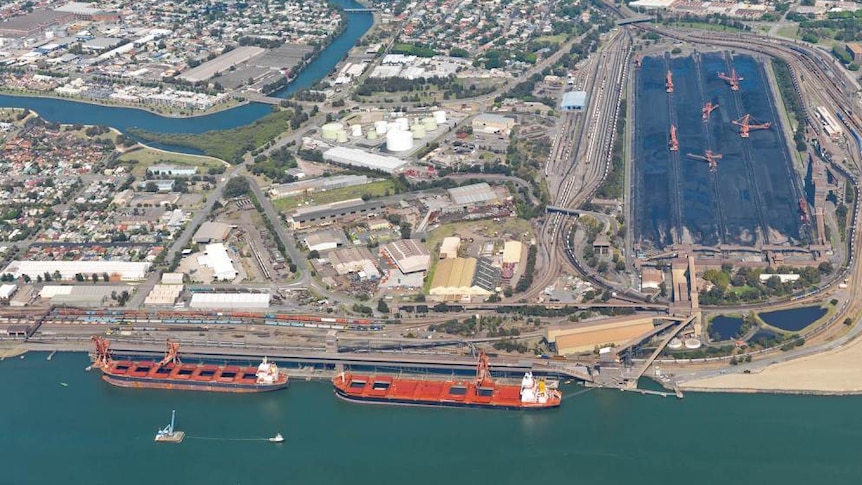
point(71, 270)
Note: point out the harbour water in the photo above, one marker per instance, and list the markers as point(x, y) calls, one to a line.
point(53, 433)
point(65, 111)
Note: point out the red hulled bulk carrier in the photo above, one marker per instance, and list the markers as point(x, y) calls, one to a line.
point(170, 373)
point(533, 393)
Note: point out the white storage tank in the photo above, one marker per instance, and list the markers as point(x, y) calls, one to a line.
point(418, 132)
point(341, 136)
point(330, 130)
point(439, 116)
point(429, 123)
point(403, 123)
point(355, 130)
point(674, 344)
point(399, 140)
point(692, 343)
point(372, 134)
point(381, 127)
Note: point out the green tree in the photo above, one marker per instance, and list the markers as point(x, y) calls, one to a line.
point(236, 187)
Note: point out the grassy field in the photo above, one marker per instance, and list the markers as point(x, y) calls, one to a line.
point(146, 157)
point(374, 189)
point(790, 31)
point(554, 39)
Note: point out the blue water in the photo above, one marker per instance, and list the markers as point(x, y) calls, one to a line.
point(91, 432)
point(65, 111)
point(726, 327)
point(794, 319)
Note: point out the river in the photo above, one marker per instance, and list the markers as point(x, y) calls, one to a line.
point(65, 111)
point(90, 431)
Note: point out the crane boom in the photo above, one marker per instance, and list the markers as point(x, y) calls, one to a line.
point(668, 81)
point(673, 144)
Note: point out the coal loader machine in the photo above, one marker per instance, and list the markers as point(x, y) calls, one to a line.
point(170, 373)
point(532, 393)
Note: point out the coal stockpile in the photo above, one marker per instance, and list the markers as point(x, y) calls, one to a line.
point(717, 187)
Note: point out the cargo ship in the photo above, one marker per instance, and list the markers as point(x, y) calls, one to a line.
point(170, 373)
point(532, 393)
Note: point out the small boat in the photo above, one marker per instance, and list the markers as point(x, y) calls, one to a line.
point(278, 438)
point(64, 384)
point(168, 434)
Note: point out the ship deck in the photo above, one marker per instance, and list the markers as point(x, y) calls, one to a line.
point(204, 373)
point(433, 392)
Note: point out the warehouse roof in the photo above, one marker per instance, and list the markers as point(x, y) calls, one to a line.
point(454, 273)
point(222, 63)
point(487, 275)
point(449, 247)
point(409, 255)
point(472, 194)
point(68, 269)
point(576, 99)
point(230, 299)
point(211, 232)
point(215, 256)
point(7, 290)
point(360, 158)
point(163, 295)
point(512, 251)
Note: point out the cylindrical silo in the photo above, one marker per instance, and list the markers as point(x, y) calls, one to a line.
point(330, 130)
point(372, 134)
point(429, 123)
point(403, 123)
point(399, 140)
point(355, 130)
point(439, 116)
point(418, 132)
point(341, 136)
point(381, 127)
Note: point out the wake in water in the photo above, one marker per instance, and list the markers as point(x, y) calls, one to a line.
point(578, 393)
point(211, 438)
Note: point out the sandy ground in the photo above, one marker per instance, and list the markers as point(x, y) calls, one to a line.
point(838, 371)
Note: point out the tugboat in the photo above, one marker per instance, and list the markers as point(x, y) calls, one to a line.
point(170, 373)
point(533, 393)
point(168, 434)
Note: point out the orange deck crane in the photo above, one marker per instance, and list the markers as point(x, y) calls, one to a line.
point(708, 108)
point(668, 82)
point(171, 354)
point(673, 144)
point(733, 79)
point(745, 125)
point(708, 157)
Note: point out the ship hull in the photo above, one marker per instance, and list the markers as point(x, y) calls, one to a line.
point(446, 404)
point(149, 383)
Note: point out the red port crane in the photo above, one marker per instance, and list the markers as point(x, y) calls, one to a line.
point(171, 354)
point(708, 157)
point(483, 371)
point(733, 79)
point(668, 82)
point(745, 125)
point(804, 215)
point(673, 144)
point(708, 108)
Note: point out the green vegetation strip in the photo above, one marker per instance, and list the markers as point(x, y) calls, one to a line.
point(228, 145)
